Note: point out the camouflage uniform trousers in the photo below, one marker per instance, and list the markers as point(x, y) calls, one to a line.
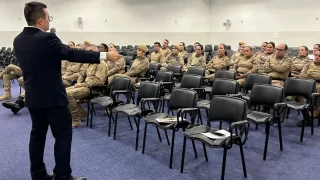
point(11, 72)
point(133, 80)
point(74, 94)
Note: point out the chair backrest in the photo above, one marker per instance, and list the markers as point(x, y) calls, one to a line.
point(174, 69)
point(154, 66)
point(196, 70)
point(128, 60)
point(299, 87)
point(230, 109)
point(164, 76)
point(121, 83)
point(253, 78)
point(148, 90)
point(182, 98)
point(225, 74)
point(224, 87)
point(208, 48)
point(191, 81)
point(266, 94)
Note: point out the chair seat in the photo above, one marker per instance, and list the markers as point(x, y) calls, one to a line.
point(103, 101)
point(177, 85)
point(195, 133)
point(167, 97)
point(208, 89)
point(129, 109)
point(296, 105)
point(245, 97)
point(203, 104)
point(152, 119)
point(259, 117)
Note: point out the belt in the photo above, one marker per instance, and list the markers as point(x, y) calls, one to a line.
point(318, 81)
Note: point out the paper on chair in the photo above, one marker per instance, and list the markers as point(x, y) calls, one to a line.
point(221, 134)
point(167, 120)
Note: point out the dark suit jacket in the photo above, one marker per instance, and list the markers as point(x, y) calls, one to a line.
point(39, 55)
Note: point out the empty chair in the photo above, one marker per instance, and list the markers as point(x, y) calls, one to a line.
point(220, 111)
point(305, 88)
point(215, 47)
point(130, 47)
point(196, 70)
point(270, 97)
point(228, 47)
point(130, 53)
point(178, 103)
point(148, 92)
point(225, 74)
point(208, 48)
point(177, 71)
point(189, 49)
point(120, 85)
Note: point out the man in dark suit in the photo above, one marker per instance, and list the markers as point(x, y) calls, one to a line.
point(39, 55)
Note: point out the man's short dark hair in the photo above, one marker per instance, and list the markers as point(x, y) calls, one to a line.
point(157, 43)
point(33, 11)
point(285, 47)
point(167, 40)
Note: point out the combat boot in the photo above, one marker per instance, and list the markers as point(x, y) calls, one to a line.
point(6, 96)
point(15, 106)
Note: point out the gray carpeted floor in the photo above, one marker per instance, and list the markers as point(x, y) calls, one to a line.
point(99, 157)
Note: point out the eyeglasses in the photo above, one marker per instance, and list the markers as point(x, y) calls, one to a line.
point(50, 18)
point(198, 49)
point(280, 49)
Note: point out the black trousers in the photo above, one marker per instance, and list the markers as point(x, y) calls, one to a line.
point(60, 121)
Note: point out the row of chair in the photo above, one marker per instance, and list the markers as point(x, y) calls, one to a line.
point(155, 93)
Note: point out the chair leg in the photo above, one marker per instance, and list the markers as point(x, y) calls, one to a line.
point(165, 131)
point(257, 126)
point(144, 137)
point(91, 114)
point(199, 117)
point(172, 148)
point(130, 123)
point(266, 141)
point(138, 130)
point(160, 139)
point(224, 163)
point(288, 112)
point(280, 135)
point(311, 121)
point(220, 125)
point(115, 126)
point(163, 102)
point(183, 153)
point(194, 149)
point(110, 117)
point(305, 117)
point(205, 151)
point(242, 159)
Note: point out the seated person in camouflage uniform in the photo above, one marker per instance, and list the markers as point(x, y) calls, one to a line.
point(299, 62)
point(11, 72)
point(279, 66)
point(138, 68)
point(234, 58)
point(172, 59)
point(165, 49)
point(198, 60)
point(157, 56)
point(115, 67)
point(263, 57)
point(182, 50)
point(244, 65)
point(263, 50)
point(311, 70)
point(95, 74)
point(221, 61)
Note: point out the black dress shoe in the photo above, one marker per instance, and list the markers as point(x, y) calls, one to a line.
point(15, 108)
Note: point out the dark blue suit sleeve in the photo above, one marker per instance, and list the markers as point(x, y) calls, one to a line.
point(64, 52)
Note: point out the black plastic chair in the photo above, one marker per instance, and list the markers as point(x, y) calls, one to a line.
point(196, 71)
point(189, 81)
point(270, 97)
point(219, 87)
point(182, 105)
point(305, 88)
point(148, 92)
point(220, 111)
point(177, 71)
point(120, 85)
